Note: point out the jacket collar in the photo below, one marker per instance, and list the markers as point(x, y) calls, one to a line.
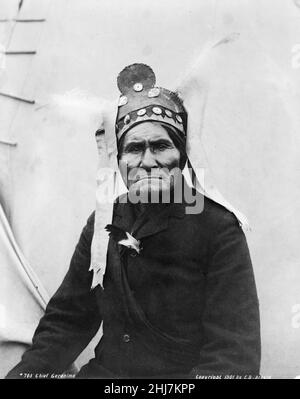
point(154, 220)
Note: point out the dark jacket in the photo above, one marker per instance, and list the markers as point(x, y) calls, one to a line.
point(185, 306)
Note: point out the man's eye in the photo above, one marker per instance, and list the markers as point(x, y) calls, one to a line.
point(160, 147)
point(136, 148)
point(133, 148)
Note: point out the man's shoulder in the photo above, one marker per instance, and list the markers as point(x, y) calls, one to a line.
point(214, 209)
point(91, 219)
point(217, 214)
point(207, 209)
point(89, 227)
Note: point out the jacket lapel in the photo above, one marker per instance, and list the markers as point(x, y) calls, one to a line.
point(157, 220)
point(153, 221)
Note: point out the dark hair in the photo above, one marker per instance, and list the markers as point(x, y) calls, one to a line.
point(175, 135)
point(179, 142)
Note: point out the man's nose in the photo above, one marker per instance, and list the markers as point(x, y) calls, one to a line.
point(148, 160)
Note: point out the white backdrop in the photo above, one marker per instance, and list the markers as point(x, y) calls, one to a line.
point(251, 131)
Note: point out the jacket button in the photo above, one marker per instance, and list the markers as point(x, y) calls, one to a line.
point(126, 337)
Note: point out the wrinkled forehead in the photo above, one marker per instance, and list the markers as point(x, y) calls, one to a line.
point(147, 131)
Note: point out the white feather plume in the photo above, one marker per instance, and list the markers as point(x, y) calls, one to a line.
point(79, 106)
point(193, 89)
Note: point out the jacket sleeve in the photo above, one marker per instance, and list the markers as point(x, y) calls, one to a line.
point(231, 323)
point(71, 318)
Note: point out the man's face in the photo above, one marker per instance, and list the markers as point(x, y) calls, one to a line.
point(147, 160)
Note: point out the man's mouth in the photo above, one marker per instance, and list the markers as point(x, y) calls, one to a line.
point(150, 178)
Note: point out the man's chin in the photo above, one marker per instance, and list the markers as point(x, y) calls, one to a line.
point(150, 190)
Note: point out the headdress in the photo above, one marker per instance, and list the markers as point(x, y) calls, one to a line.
point(142, 101)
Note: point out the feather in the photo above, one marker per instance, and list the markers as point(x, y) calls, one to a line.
point(193, 89)
point(123, 238)
point(115, 232)
point(131, 243)
point(79, 106)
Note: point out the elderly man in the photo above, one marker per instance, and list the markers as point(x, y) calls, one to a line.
point(180, 301)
